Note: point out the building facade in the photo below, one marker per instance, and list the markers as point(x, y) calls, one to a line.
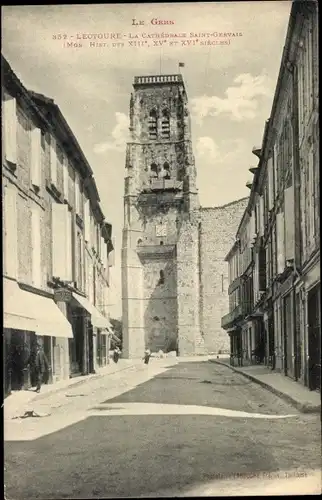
point(285, 257)
point(55, 271)
point(169, 290)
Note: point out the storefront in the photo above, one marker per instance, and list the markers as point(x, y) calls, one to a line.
point(29, 318)
point(102, 347)
point(93, 332)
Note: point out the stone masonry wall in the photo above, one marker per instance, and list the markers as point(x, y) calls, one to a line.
point(160, 305)
point(218, 231)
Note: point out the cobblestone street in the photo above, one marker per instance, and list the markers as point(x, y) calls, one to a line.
point(160, 430)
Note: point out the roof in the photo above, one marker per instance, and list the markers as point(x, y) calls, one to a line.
point(48, 103)
point(45, 109)
point(235, 202)
point(232, 250)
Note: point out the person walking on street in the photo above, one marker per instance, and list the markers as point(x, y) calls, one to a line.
point(116, 354)
point(147, 356)
point(40, 366)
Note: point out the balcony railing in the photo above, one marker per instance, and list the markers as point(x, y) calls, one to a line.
point(231, 317)
point(234, 284)
point(164, 184)
point(156, 251)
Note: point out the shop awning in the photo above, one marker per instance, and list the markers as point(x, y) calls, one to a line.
point(97, 319)
point(28, 311)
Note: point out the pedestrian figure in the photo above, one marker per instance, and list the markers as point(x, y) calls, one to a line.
point(147, 356)
point(40, 365)
point(116, 354)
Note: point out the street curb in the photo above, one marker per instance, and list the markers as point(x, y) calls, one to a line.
point(302, 407)
point(77, 383)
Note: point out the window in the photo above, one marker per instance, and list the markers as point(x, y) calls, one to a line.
point(153, 124)
point(280, 241)
point(65, 178)
point(78, 195)
point(43, 140)
point(310, 225)
point(165, 125)
point(166, 171)
point(154, 170)
point(36, 157)
point(10, 247)
point(98, 240)
point(94, 286)
point(53, 161)
point(62, 241)
point(80, 261)
point(10, 129)
point(36, 246)
point(161, 279)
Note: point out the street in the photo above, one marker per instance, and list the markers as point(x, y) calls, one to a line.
point(236, 437)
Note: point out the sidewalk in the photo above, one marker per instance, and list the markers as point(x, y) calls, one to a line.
point(20, 401)
point(57, 410)
point(300, 397)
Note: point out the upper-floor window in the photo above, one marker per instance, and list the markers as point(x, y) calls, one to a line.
point(165, 125)
point(80, 261)
point(153, 124)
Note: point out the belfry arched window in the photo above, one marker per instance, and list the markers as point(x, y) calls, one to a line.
point(154, 170)
point(153, 124)
point(165, 125)
point(166, 170)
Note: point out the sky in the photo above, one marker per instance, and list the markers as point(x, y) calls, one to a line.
point(230, 86)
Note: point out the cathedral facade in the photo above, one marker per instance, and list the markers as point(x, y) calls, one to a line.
point(169, 299)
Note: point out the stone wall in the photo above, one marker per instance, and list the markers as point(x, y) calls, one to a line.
point(218, 231)
point(160, 304)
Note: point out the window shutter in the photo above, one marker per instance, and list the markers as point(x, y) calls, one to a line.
point(36, 246)
point(102, 245)
point(77, 193)
point(280, 242)
point(36, 157)
point(87, 222)
point(10, 129)
point(310, 194)
point(252, 225)
point(289, 223)
point(261, 215)
point(111, 256)
point(69, 245)
point(11, 233)
point(53, 162)
point(270, 184)
point(65, 178)
point(62, 241)
point(262, 269)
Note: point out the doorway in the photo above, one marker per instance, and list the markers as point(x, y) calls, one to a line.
point(297, 338)
point(288, 336)
point(314, 338)
point(271, 341)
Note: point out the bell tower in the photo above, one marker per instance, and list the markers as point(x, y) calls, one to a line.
point(160, 250)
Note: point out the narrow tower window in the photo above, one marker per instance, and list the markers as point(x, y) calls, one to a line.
point(161, 279)
point(165, 125)
point(153, 120)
